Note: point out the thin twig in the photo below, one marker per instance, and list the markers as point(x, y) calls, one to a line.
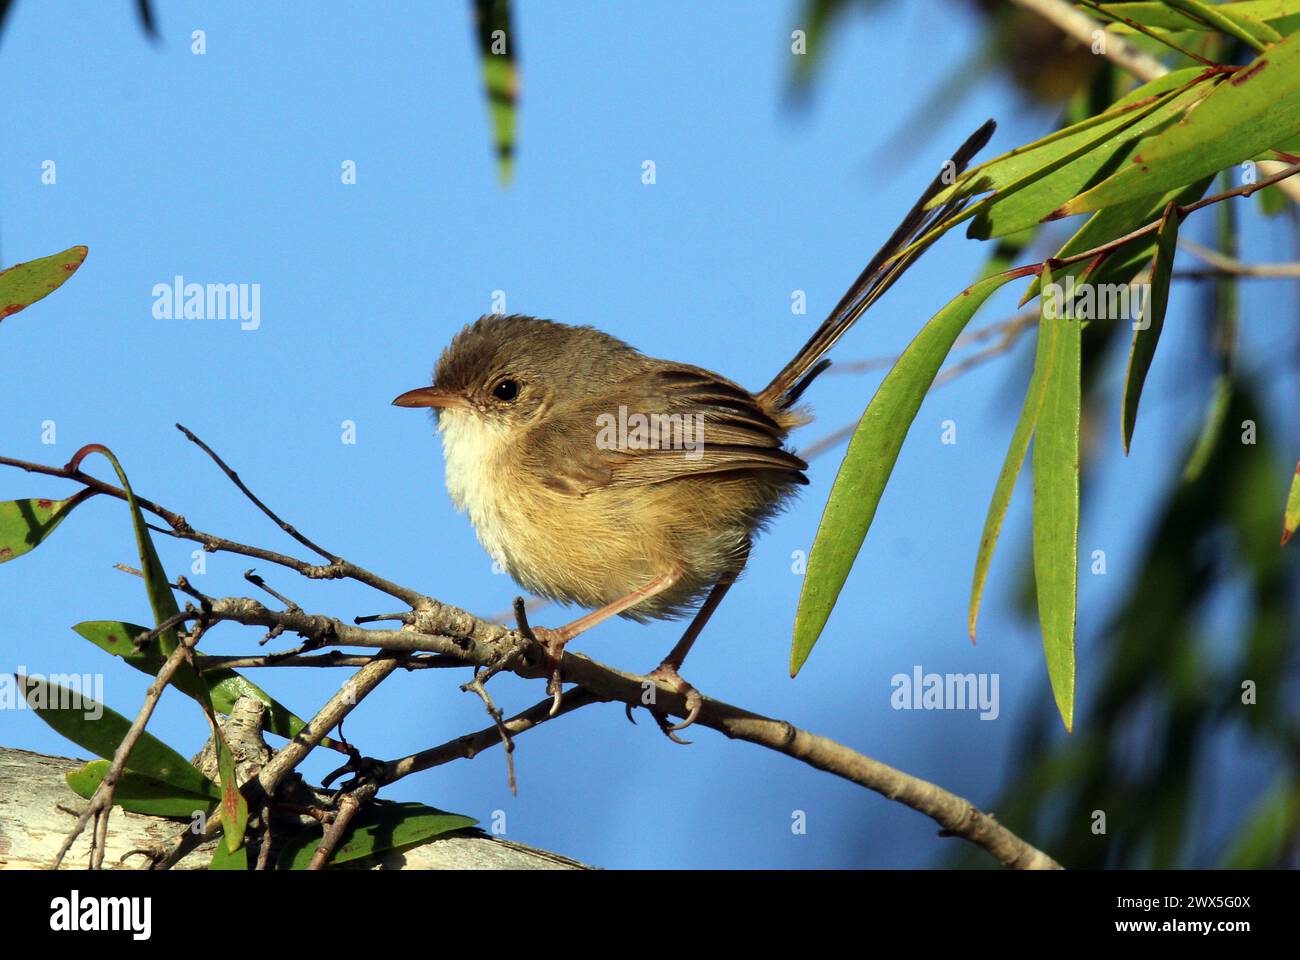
point(1224, 264)
point(264, 852)
point(402, 617)
point(472, 744)
point(257, 581)
point(288, 528)
point(181, 530)
point(477, 686)
point(330, 658)
point(349, 804)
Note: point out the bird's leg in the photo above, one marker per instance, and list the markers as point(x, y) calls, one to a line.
point(554, 641)
point(667, 671)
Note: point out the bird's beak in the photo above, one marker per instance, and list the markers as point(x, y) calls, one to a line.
point(431, 397)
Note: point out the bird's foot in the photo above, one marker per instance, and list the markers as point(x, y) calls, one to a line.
point(552, 643)
point(666, 673)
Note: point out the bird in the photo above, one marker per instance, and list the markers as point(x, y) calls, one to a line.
point(596, 475)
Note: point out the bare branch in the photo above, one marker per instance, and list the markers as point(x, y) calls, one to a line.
point(288, 528)
point(455, 635)
point(1224, 264)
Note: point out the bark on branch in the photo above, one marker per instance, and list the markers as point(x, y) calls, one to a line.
point(37, 808)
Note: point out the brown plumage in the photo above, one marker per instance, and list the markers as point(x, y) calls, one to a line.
point(576, 520)
point(597, 475)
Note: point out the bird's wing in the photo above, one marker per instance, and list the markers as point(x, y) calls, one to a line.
point(674, 421)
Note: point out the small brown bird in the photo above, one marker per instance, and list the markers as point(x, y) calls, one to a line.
point(599, 476)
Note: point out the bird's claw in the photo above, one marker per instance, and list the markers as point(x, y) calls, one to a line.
point(667, 674)
point(552, 643)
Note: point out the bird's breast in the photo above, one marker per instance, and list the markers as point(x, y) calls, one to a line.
point(475, 451)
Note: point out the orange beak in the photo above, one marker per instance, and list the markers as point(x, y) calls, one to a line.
point(431, 397)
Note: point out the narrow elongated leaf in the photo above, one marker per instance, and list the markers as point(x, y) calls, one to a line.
point(141, 794)
point(1232, 26)
point(224, 859)
point(1261, 840)
point(24, 283)
point(1015, 165)
point(224, 686)
point(1018, 207)
point(24, 524)
point(96, 728)
point(1226, 316)
point(234, 808)
point(1147, 334)
point(380, 826)
point(161, 598)
point(870, 459)
point(1106, 225)
point(1056, 498)
point(1291, 517)
point(1157, 13)
point(234, 817)
point(1216, 412)
point(496, 42)
point(1255, 109)
point(1006, 484)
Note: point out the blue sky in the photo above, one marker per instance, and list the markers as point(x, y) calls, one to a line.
point(226, 167)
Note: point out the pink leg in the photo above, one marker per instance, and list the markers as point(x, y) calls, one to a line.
point(554, 641)
point(668, 670)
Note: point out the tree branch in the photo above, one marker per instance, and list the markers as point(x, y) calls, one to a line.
point(455, 635)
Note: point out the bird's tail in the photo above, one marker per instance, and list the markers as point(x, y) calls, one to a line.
point(877, 277)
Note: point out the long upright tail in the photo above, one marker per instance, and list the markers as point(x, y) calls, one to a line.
point(877, 277)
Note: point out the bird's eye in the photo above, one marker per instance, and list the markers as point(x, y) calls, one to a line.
point(506, 390)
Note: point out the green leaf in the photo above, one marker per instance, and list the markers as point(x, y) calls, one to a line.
point(141, 794)
point(1056, 496)
point(1160, 14)
point(496, 43)
point(1291, 517)
point(224, 686)
point(1147, 333)
point(223, 859)
point(161, 598)
point(1225, 315)
point(870, 459)
point(1113, 222)
point(1271, 201)
point(1058, 147)
point(1221, 21)
point(1261, 841)
point(24, 524)
point(1256, 108)
point(1216, 412)
point(1019, 206)
point(96, 728)
point(234, 807)
point(24, 283)
point(378, 827)
point(1006, 484)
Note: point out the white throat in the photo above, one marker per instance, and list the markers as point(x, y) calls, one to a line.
point(474, 449)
